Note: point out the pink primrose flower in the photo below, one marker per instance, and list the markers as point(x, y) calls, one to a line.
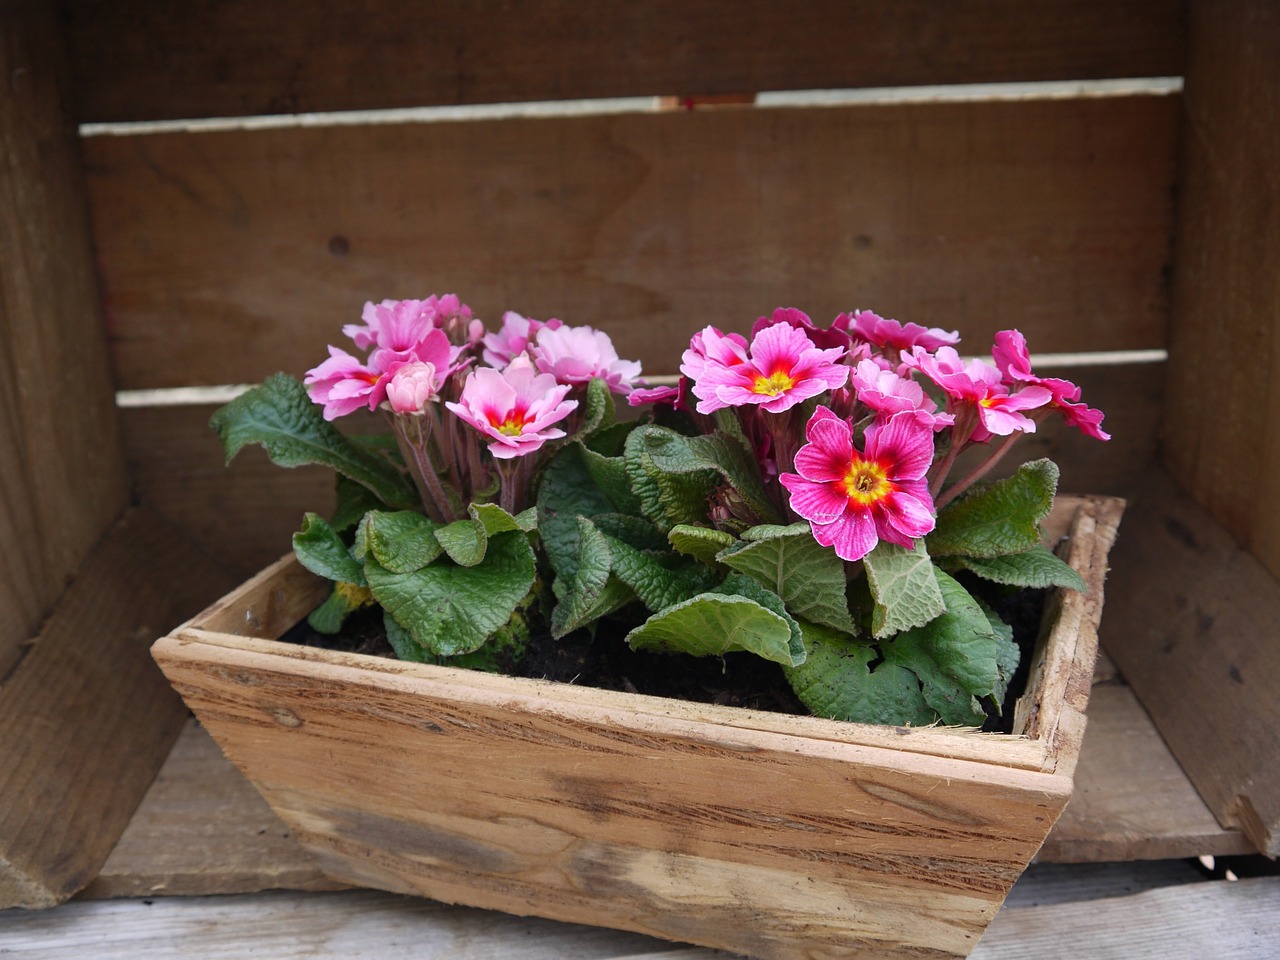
point(979, 385)
point(826, 339)
point(709, 343)
point(343, 384)
point(887, 393)
point(578, 354)
point(513, 338)
point(855, 498)
point(411, 386)
point(783, 368)
point(875, 329)
point(643, 395)
point(392, 329)
point(1014, 360)
point(516, 407)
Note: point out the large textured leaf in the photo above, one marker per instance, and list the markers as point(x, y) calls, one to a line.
point(567, 492)
point(591, 591)
point(320, 549)
point(903, 588)
point(999, 518)
point(658, 579)
point(701, 543)
point(343, 600)
point(465, 541)
point(836, 681)
point(741, 585)
point(806, 575)
point(450, 609)
point(280, 417)
point(402, 542)
point(1008, 654)
point(610, 475)
point(1038, 567)
point(714, 624)
point(673, 493)
point(954, 655)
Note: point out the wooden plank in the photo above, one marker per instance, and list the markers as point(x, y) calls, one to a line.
point(228, 256)
point(1227, 276)
point(1207, 919)
point(61, 467)
point(1194, 635)
point(203, 829)
point(87, 718)
point(151, 60)
point(1132, 801)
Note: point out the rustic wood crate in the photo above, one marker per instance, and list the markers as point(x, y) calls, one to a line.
point(184, 255)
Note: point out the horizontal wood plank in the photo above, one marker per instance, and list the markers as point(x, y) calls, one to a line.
point(230, 255)
point(147, 60)
point(87, 718)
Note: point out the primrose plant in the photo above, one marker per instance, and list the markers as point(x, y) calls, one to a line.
point(814, 495)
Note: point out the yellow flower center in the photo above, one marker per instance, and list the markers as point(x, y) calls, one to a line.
point(511, 427)
point(866, 482)
point(774, 384)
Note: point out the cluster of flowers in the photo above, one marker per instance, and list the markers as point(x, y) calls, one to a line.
point(836, 416)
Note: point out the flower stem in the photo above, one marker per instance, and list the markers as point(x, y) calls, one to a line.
point(413, 440)
point(978, 472)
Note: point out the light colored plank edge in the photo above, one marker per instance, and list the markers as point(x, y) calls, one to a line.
point(87, 719)
point(1194, 636)
point(142, 61)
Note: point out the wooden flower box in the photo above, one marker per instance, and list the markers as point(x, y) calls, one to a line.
point(766, 835)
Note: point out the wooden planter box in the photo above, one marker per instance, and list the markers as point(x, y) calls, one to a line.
point(767, 835)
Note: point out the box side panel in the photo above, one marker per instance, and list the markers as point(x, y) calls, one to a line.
point(756, 843)
point(144, 61)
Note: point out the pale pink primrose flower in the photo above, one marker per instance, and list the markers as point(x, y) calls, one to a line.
point(342, 384)
point(393, 329)
point(875, 329)
point(887, 393)
point(576, 355)
point(979, 385)
point(643, 395)
point(411, 386)
point(515, 407)
point(513, 337)
point(783, 368)
point(855, 498)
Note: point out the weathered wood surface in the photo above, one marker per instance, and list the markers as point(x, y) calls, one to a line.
point(230, 255)
point(1193, 630)
point(1232, 921)
point(61, 465)
point(1224, 388)
point(146, 60)
point(87, 719)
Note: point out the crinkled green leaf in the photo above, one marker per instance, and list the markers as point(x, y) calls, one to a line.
point(343, 600)
point(658, 579)
point(450, 609)
point(599, 413)
point(591, 591)
point(741, 585)
point(1038, 567)
point(837, 681)
point(673, 492)
point(279, 416)
point(402, 541)
point(354, 501)
point(402, 642)
point(767, 531)
point(713, 624)
point(633, 531)
point(903, 588)
point(954, 655)
point(610, 441)
point(610, 475)
point(808, 576)
point(567, 491)
point(998, 518)
point(1008, 654)
point(465, 541)
point(322, 551)
point(701, 543)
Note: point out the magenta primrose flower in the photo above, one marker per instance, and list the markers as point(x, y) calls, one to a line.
point(783, 368)
point(514, 337)
point(887, 393)
point(873, 328)
point(578, 354)
point(1014, 361)
point(979, 386)
point(855, 498)
point(516, 407)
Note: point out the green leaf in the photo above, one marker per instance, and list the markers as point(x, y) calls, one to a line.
point(402, 642)
point(354, 501)
point(600, 412)
point(701, 543)
point(634, 531)
point(1038, 567)
point(450, 609)
point(808, 576)
point(1008, 654)
point(610, 475)
point(954, 655)
point(658, 579)
point(741, 585)
point(714, 624)
point(321, 550)
point(567, 492)
point(344, 599)
point(280, 417)
point(836, 681)
point(667, 495)
point(402, 542)
point(465, 541)
point(591, 591)
point(903, 588)
point(999, 518)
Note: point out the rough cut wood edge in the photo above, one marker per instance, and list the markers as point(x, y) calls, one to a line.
point(61, 462)
point(1195, 638)
point(229, 256)
point(1227, 276)
point(86, 718)
point(145, 61)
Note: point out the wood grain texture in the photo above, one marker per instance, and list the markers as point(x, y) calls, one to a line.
point(1206, 919)
point(771, 836)
point(87, 719)
point(1227, 276)
point(149, 60)
point(62, 477)
point(1194, 634)
point(228, 256)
